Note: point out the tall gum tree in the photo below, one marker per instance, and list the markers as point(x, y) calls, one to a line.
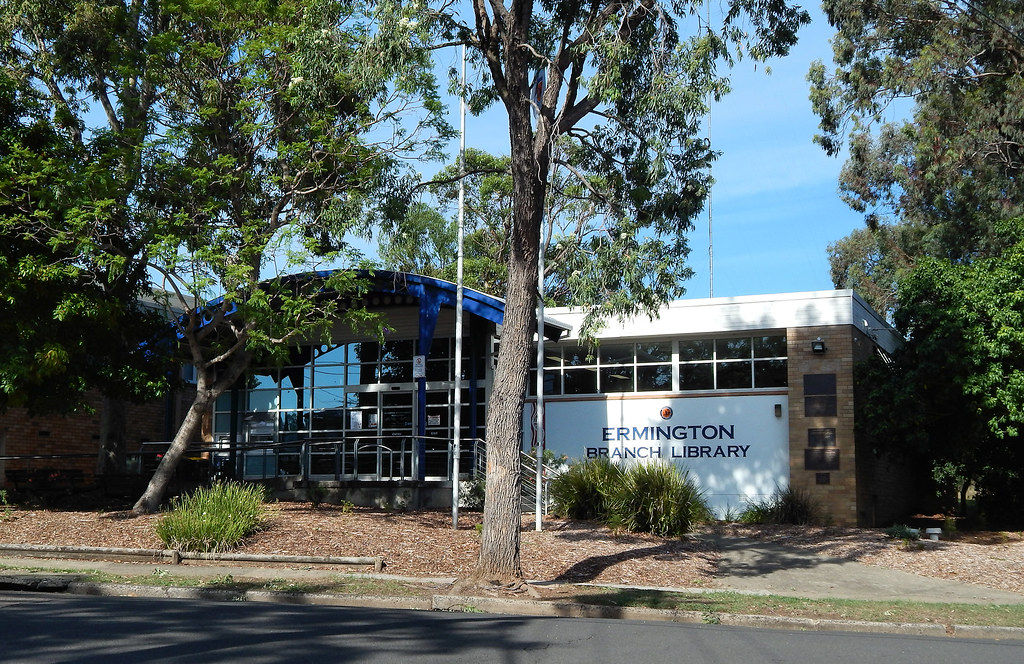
point(624, 92)
point(231, 143)
point(947, 169)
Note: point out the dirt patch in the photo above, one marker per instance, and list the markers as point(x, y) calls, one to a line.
point(423, 543)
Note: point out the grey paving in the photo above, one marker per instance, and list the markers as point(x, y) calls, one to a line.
point(774, 568)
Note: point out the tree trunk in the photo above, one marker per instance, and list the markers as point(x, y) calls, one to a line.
point(499, 543)
point(207, 391)
point(157, 487)
point(111, 459)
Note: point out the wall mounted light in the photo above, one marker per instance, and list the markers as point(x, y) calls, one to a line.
point(778, 410)
point(818, 346)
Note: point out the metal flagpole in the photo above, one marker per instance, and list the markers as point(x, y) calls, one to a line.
point(540, 376)
point(537, 100)
point(457, 416)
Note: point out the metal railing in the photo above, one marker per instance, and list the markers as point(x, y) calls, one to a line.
point(528, 473)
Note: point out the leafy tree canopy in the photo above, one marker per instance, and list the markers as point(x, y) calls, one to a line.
point(63, 330)
point(228, 144)
point(953, 170)
point(954, 395)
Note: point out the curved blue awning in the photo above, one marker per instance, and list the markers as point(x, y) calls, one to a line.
point(432, 293)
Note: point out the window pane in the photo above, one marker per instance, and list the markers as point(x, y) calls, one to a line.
point(330, 355)
point(440, 349)
point(697, 376)
point(262, 400)
point(396, 399)
point(654, 352)
point(770, 373)
point(654, 378)
point(617, 379)
point(326, 376)
point(580, 381)
point(362, 352)
point(616, 353)
point(773, 346)
point(551, 383)
point(696, 349)
point(396, 372)
point(439, 370)
point(733, 349)
point(328, 420)
point(577, 356)
point(394, 351)
point(733, 375)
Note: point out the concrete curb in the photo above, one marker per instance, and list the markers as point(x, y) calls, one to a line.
point(267, 596)
point(175, 557)
point(68, 582)
point(471, 604)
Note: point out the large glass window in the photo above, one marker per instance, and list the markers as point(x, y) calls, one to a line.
point(692, 364)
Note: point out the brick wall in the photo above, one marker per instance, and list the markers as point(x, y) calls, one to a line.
point(838, 460)
point(79, 433)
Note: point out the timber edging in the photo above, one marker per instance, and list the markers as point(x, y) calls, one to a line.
point(176, 557)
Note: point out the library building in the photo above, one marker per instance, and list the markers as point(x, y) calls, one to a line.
point(749, 395)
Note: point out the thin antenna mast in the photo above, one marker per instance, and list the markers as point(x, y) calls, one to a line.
point(711, 237)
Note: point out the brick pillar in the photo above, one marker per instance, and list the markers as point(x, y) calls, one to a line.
point(822, 458)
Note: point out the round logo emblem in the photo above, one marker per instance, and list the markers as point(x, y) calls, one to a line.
point(666, 413)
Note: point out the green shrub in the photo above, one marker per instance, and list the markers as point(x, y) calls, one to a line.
point(213, 519)
point(902, 532)
point(656, 498)
point(785, 506)
point(581, 490)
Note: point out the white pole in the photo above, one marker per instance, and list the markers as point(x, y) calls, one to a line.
point(457, 416)
point(540, 377)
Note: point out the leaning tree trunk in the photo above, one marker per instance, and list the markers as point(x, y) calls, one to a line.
point(157, 487)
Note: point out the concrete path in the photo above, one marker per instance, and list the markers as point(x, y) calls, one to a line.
point(773, 568)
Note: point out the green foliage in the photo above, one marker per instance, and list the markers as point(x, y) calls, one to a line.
point(213, 519)
point(656, 498)
point(5, 507)
point(63, 328)
point(902, 532)
point(948, 174)
point(473, 493)
point(954, 395)
point(651, 498)
point(582, 490)
point(785, 506)
point(316, 494)
point(233, 144)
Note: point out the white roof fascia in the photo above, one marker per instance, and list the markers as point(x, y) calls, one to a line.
point(724, 315)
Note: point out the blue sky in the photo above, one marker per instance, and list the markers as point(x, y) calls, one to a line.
point(775, 206)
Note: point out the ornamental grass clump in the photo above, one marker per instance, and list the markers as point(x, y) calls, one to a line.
point(213, 519)
point(656, 498)
point(787, 506)
point(581, 490)
point(652, 497)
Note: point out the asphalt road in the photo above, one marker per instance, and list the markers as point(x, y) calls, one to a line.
point(67, 628)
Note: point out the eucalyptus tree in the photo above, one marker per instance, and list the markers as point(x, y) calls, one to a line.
point(235, 142)
point(611, 95)
point(949, 171)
